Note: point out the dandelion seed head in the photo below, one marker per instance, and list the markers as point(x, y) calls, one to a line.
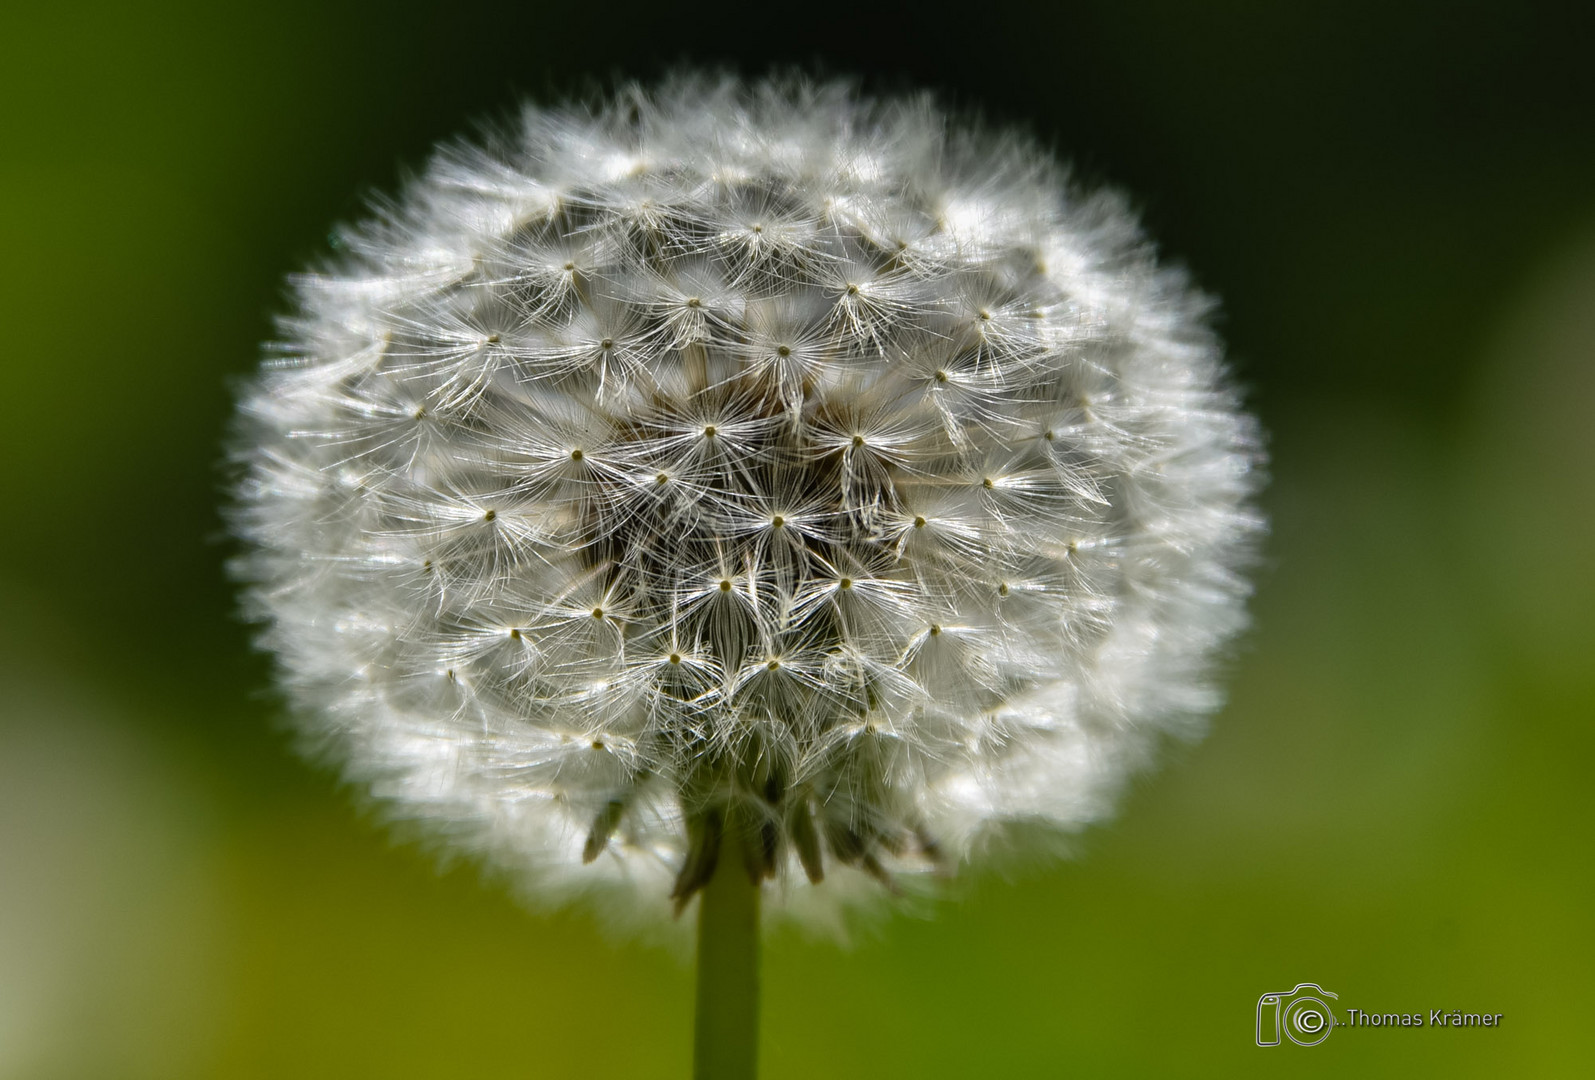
point(752, 471)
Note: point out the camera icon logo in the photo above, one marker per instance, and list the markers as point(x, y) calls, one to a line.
point(1302, 1014)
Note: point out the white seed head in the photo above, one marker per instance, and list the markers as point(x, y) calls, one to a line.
point(753, 471)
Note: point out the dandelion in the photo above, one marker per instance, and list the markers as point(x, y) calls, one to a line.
point(752, 493)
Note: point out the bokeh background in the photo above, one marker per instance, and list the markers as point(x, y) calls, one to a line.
point(1396, 202)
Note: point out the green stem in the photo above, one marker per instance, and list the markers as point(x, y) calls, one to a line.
point(726, 1036)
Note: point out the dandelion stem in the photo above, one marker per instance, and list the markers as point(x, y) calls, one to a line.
point(726, 1038)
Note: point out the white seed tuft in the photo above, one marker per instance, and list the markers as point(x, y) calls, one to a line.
point(757, 471)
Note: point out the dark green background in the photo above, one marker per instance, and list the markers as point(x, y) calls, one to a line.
point(1396, 202)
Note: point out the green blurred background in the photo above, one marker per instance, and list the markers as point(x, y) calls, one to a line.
point(1396, 202)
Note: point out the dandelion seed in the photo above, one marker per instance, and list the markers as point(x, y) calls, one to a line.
point(745, 383)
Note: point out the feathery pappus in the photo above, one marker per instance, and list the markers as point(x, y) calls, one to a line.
point(744, 470)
